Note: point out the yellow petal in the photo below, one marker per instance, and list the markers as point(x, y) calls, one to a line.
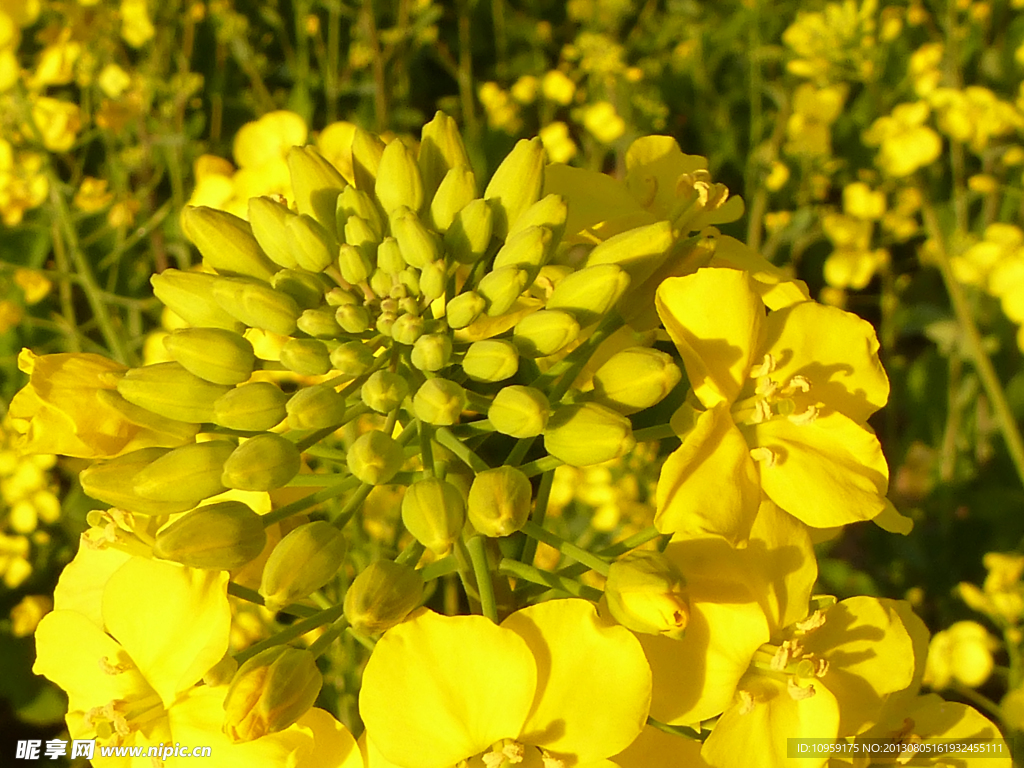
point(653, 167)
point(333, 745)
point(596, 198)
point(577, 712)
point(665, 750)
point(781, 555)
point(771, 283)
point(81, 583)
point(937, 719)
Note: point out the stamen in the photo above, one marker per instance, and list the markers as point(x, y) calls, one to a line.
point(746, 702)
point(797, 692)
point(514, 751)
point(762, 454)
point(115, 669)
point(806, 417)
point(812, 622)
point(766, 387)
point(799, 382)
point(767, 366)
point(551, 762)
point(762, 412)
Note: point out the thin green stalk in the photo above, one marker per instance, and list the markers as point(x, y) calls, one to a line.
point(518, 453)
point(658, 432)
point(478, 557)
point(445, 438)
point(322, 643)
point(677, 730)
point(352, 505)
point(543, 578)
point(288, 634)
point(541, 465)
point(439, 568)
point(252, 596)
point(567, 548)
point(540, 511)
point(312, 500)
point(411, 554)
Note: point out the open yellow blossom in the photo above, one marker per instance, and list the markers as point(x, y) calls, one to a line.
point(960, 653)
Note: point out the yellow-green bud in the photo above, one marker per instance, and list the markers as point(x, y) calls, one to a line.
point(317, 185)
point(545, 332)
point(639, 251)
point(464, 309)
point(519, 411)
point(551, 212)
point(213, 354)
point(457, 190)
point(339, 297)
point(439, 401)
point(268, 219)
point(219, 536)
point(418, 244)
point(367, 150)
point(302, 562)
point(635, 378)
point(499, 501)
point(169, 390)
point(591, 292)
point(257, 305)
point(251, 407)
point(354, 265)
point(501, 287)
point(374, 458)
point(587, 433)
point(432, 281)
point(312, 245)
point(407, 329)
point(353, 358)
point(441, 149)
point(384, 391)
point(113, 482)
point(381, 283)
point(389, 256)
point(222, 672)
point(433, 511)
point(398, 179)
point(528, 249)
point(516, 184)
point(647, 593)
point(305, 288)
point(385, 321)
point(491, 360)
point(409, 278)
point(190, 473)
point(355, 202)
point(382, 596)
point(171, 431)
point(432, 352)
point(359, 234)
point(226, 242)
point(316, 407)
point(262, 463)
point(306, 357)
point(270, 692)
point(353, 318)
point(469, 235)
point(319, 323)
point(190, 296)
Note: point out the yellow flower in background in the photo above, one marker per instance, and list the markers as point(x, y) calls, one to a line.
point(524, 90)
point(58, 122)
point(809, 128)
point(27, 614)
point(33, 283)
point(603, 122)
point(1001, 597)
point(502, 112)
point(92, 195)
point(136, 25)
point(905, 143)
point(962, 653)
point(557, 87)
point(113, 80)
point(22, 185)
point(557, 142)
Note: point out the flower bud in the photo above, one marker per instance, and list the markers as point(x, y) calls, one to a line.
point(501, 288)
point(432, 352)
point(528, 249)
point(516, 184)
point(519, 411)
point(439, 401)
point(268, 219)
point(384, 391)
point(302, 562)
point(312, 245)
point(635, 378)
point(213, 354)
point(251, 407)
point(647, 593)
point(169, 390)
point(441, 149)
point(367, 150)
point(382, 596)
point(353, 318)
point(270, 692)
point(190, 473)
point(407, 329)
point(226, 242)
point(464, 309)
point(317, 185)
point(499, 501)
point(590, 293)
point(190, 296)
point(409, 278)
point(353, 358)
point(398, 180)
point(113, 482)
point(359, 234)
point(389, 256)
point(418, 244)
point(545, 332)
point(262, 463)
point(639, 251)
point(219, 536)
point(550, 211)
point(306, 289)
point(375, 458)
point(319, 323)
point(457, 190)
point(257, 305)
point(491, 360)
point(432, 281)
point(306, 357)
point(355, 202)
point(587, 433)
point(316, 407)
point(385, 321)
point(433, 511)
point(469, 235)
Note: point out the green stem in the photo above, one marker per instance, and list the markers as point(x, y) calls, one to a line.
point(547, 579)
point(439, 568)
point(312, 500)
point(658, 432)
point(567, 548)
point(518, 453)
point(411, 554)
point(252, 596)
point(445, 438)
point(355, 501)
point(541, 465)
point(677, 730)
point(478, 556)
point(426, 449)
point(540, 511)
point(330, 634)
point(297, 629)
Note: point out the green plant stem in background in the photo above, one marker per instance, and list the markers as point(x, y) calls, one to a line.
point(482, 573)
point(567, 548)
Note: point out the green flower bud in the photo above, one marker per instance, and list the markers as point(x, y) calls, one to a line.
point(439, 401)
point(353, 318)
point(172, 432)
point(433, 511)
point(457, 190)
point(441, 149)
point(550, 211)
point(213, 354)
point(190, 296)
point(169, 390)
point(464, 309)
point(359, 234)
point(587, 433)
point(519, 411)
point(190, 473)
point(226, 242)
point(219, 536)
point(307, 290)
point(469, 235)
point(385, 321)
point(312, 244)
point(355, 266)
point(317, 185)
point(590, 293)
point(251, 407)
point(316, 407)
point(269, 219)
point(516, 184)
point(381, 283)
point(635, 378)
point(389, 256)
point(367, 150)
point(270, 692)
point(432, 281)
point(409, 278)
point(499, 501)
point(418, 244)
point(306, 357)
point(257, 305)
point(639, 251)
point(302, 562)
point(491, 360)
point(375, 458)
point(528, 249)
point(545, 332)
point(382, 596)
point(384, 391)
point(262, 463)
point(407, 329)
point(355, 202)
point(398, 180)
point(339, 297)
point(501, 287)
point(319, 323)
point(647, 593)
point(353, 358)
point(432, 352)
point(113, 483)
